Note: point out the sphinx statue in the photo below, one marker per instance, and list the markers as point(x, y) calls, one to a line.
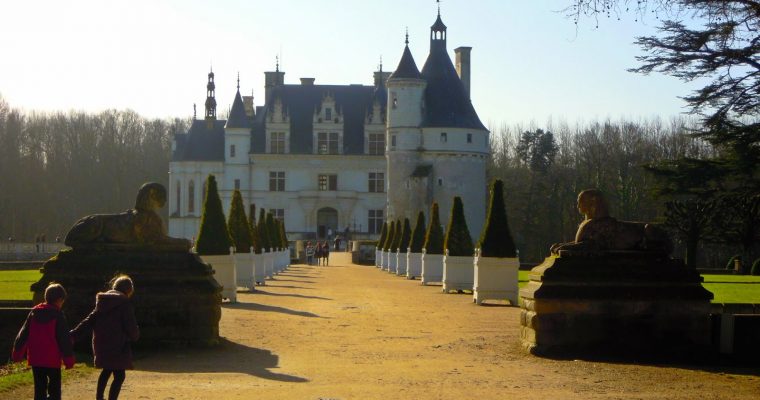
point(601, 233)
point(140, 227)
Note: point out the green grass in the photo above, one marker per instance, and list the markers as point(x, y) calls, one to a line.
point(16, 375)
point(14, 285)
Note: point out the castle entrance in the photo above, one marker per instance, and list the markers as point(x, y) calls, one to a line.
point(327, 220)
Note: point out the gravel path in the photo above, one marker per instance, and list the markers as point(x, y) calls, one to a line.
point(354, 332)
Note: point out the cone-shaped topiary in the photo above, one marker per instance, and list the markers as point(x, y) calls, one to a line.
point(383, 234)
point(434, 235)
point(458, 241)
point(283, 235)
point(418, 234)
point(274, 240)
point(255, 238)
point(389, 237)
point(496, 240)
point(755, 267)
point(237, 223)
point(263, 232)
point(732, 260)
point(213, 237)
point(397, 236)
point(406, 236)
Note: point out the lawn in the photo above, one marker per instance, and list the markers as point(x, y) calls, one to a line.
point(14, 285)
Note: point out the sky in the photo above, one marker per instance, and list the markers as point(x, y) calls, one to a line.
point(530, 63)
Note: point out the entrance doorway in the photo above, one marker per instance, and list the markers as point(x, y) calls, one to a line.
point(327, 219)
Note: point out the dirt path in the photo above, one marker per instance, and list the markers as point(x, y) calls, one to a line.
point(353, 332)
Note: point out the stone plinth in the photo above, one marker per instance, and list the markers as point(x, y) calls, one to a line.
point(458, 273)
point(177, 300)
point(413, 265)
point(616, 304)
point(495, 279)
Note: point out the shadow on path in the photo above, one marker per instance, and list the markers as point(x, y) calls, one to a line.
point(301, 296)
point(290, 280)
point(268, 308)
point(284, 287)
point(227, 357)
point(310, 276)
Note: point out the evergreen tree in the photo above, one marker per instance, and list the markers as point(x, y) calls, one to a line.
point(406, 236)
point(496, 240)
point(458, 241)
point(418, 235)
point(266, 243)
point(383, 234)
point(389, 239)
point(213, 237)
point(272, 233)
point(397, 236)
point(283, 234)
point(255, 237)
point(238, 225)
point(434, 236)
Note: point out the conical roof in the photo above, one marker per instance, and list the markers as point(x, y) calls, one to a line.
point(407, 68)
point(238, 118)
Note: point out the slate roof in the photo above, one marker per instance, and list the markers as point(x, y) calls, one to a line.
point(200, 143)
point(446, 101)
point(407, 68)
point(300, 101)
point(238, 117)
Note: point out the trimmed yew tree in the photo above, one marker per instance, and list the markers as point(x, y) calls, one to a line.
point(406, 236)
point(237, 224)
point(389, 238)
point(458, 241)
point(283, 234)
point(255, 237)
point(397, 236)
point(213, 237)
point(274, 240)
point(383, 235)
point(434, 236)
point(418, 235)
point(261, 228)
point(496, 240)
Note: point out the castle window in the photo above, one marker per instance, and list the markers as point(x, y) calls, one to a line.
point(276, 181)
point(376, 144)
point(328, 182)
point(191, 197)
point(327, 142)
point(232, 150)
point(394, 101)
point(237, 184)
point(374, 221)
point(469, 138)
point(444, 137)
point(328, 113)
point(376, 182)
point(277, 143)
point(393, 141)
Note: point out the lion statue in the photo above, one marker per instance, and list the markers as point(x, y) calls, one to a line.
point(601, 233)
point(140, 226)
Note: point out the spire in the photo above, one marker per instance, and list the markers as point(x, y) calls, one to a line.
point(211, 97)
point(195, 112)
point(438, 32)
point(277, 63)
point(407, 68)
point(238, 81)
point(406, 41)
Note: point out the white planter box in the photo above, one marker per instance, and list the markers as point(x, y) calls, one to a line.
point(378, 258)
point(496, 279)
point(393, 255)
point(413, 265)
point(224, 273)
point(458, 273)
point(259, 269)
point(386, 260)
point(269, 264)
point(432, 268)
point(244, 270)
point(401, 267)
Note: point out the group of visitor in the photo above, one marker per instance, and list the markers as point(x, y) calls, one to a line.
point(46, 342)
point(318, 250)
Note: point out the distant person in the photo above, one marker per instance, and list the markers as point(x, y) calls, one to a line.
point(113, 326)
point(337, 243)
point(44, 341)
point(309, 253)
point(326, 253)
point(329, 233)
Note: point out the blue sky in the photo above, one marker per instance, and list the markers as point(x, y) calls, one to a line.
point(529, 63)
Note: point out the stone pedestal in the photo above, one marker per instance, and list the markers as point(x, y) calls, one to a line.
point(413, 265)
point(495, 279)
point(615, 304)
point(177, 300)
point(458, 273)
point(432, 268)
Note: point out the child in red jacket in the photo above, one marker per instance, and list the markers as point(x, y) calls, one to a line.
point(44, 340)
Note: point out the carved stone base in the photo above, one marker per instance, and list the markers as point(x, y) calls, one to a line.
point(612, 305)
point(177, 300)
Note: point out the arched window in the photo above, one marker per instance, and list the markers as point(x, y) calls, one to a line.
point(191, 197)
point(178, 192)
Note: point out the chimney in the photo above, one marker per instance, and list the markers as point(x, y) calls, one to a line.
point(463, 66)
point(272, 79)
point(248, 104)
point(381, 76)
point(307, 81)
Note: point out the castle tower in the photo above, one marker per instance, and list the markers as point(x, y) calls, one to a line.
point(210, 99)
point(237, 145)
point(406, 91)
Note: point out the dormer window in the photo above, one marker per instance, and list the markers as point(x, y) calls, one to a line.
point(328, 114)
